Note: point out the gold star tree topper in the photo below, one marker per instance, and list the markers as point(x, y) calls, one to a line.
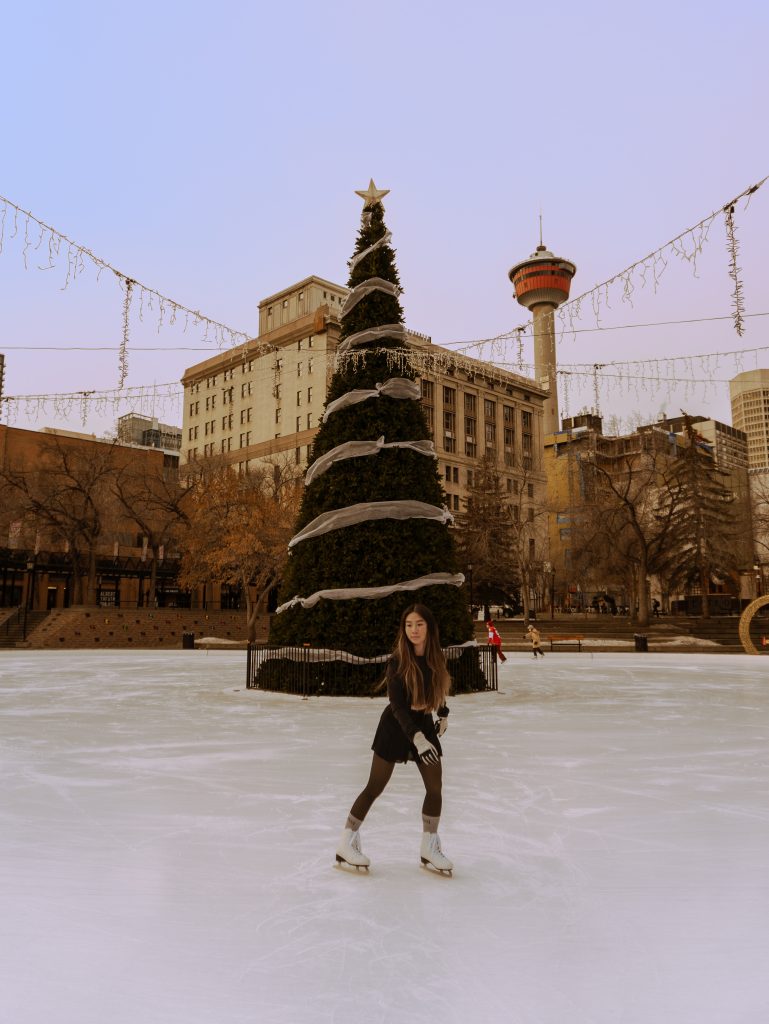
point(372, 195)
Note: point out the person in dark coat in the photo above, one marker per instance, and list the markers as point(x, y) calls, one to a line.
point(418, 683)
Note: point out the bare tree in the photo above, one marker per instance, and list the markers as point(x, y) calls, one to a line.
point(68, 495)
point(486, 536)
point(155, 500)
point(633, 523)
point(238, 527)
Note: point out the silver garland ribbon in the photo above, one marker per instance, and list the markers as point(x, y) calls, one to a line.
point(384, 240)
point(369, 511)
point(326, 654)
point(395, 387)
point(359, 449)
point(373, 334)
point(374, 284)
point(372, 593)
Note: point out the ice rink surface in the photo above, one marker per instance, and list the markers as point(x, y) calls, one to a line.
point(167, 848)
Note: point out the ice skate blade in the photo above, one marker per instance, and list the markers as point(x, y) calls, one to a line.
point(429, 866)
point(342, 863)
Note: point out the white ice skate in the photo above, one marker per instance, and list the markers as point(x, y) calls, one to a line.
point(349, 851)
point(431, 854)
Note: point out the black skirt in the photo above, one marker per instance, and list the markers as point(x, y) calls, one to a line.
point(392, 744)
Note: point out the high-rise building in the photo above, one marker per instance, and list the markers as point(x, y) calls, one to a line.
point(749, 393)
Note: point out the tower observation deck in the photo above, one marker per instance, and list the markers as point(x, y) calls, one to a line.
point(542, 284)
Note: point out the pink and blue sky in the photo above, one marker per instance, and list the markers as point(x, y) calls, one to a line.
point(212, 152)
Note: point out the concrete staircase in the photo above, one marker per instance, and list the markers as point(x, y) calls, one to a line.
point(720, 630)
point(13, 629)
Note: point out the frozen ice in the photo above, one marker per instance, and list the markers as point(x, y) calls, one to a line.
point(167, 847)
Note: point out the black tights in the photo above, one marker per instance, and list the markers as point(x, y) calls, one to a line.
point(381, 771)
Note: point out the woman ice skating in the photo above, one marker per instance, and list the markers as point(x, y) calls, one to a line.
point(495, 639)
point(533, 635)
point(418, 683)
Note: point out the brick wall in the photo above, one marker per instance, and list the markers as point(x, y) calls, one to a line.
point(161, 627)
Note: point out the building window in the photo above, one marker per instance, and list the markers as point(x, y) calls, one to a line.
point(470, 427)
point(449, 444)
point(309, 395)
point(299, 398)
point(449, 396)
point(469, 478)
point(491, 434)
point(278, 414)
point(299, 369)
point(428, 390)
point(489, 409)
point(448, 473)
point(470, 404)
point(455, 501)
point(298, 424)
point(309, 421)
point(530, 490)
point(471, 449)
point(309, 364)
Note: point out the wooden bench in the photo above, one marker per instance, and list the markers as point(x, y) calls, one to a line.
point(562, 638)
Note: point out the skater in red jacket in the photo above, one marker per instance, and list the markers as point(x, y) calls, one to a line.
point(418, 683)
point(495, 639)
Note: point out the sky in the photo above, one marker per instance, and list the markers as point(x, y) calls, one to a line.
point(212, 153)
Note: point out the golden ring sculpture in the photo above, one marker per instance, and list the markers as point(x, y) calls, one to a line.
point(745, 620)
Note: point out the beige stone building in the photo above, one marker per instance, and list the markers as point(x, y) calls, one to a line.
point(265, 397)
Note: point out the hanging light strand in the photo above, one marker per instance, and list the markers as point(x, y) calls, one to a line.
point(77, 259)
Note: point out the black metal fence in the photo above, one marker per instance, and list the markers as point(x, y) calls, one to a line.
point(315, 672)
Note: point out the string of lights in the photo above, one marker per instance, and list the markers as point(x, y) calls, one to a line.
point(56, 244)
point(205, 348)
point(686, 246)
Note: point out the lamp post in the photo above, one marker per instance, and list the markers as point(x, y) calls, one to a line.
point(30, 593)
point(757, 574)
point(552, 592)
point(470, 581)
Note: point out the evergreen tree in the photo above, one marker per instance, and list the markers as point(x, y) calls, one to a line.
point(708, 529)
point(385, 551)
point(486, 540)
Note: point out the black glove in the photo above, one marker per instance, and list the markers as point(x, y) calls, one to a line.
point(441, 725)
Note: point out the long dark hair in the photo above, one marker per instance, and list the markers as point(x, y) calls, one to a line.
point(433, 695)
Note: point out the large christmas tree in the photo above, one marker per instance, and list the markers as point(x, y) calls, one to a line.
point(372, 534)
